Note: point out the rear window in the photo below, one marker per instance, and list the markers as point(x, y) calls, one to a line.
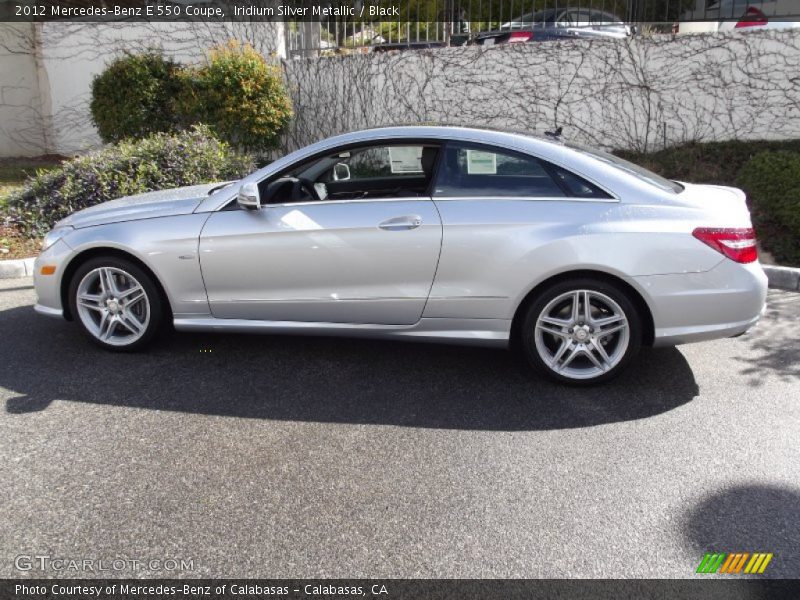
point(474, 171)
point(632, 169)
point(470, 170)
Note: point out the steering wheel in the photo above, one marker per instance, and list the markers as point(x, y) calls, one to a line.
point(302, 189)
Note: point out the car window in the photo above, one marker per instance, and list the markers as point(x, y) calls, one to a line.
point(577, 186)
point(472, 171)
point(395, 162)
point(601, 18)
point(630, 168)
point(377, 171)
point(578, 18)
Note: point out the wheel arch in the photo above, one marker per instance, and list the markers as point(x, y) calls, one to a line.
point(648, 324)
point(95, 252)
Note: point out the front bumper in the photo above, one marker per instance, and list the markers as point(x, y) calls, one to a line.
point(48, 312)
point(48, 287)
point(693, 307)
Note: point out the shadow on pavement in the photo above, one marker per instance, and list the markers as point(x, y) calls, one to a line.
point(750, 518)
point(775, 340)
point(323, 380)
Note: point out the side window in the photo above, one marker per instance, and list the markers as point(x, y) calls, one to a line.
point(396, 162)
point(576, 186)
point(379, 171)
point(484, 171)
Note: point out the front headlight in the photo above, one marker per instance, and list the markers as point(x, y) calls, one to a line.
point(55, 235)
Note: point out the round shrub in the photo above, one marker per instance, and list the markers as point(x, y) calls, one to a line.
point(772, 183)
point(134, 96)
point(239, 95)
point(160, 161)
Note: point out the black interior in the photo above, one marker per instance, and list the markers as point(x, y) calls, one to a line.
point(297, 189)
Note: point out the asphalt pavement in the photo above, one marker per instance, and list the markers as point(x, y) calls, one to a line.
point(305, 457)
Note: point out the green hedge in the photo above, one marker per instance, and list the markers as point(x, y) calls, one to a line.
point(711, 162)
point(772, 183)
point(160, 161)
point(237, 94)
point(134, 97)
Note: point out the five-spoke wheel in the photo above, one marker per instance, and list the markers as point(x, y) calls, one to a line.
point(115, 302)
point(581, 331)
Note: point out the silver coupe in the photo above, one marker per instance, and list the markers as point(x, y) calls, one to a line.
point(471, 236)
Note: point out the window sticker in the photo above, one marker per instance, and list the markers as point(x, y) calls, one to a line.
point(481, 163)
point(405, 159)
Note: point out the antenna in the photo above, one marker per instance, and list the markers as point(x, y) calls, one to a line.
point(554, 134)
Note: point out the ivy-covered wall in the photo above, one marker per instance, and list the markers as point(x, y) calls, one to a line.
point(638, 95)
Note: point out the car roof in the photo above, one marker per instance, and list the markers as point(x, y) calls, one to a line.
point(507, 138)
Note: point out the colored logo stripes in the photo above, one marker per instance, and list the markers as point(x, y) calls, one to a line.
point(733, 563)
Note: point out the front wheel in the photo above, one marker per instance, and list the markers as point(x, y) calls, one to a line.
point(115, 303)
point(581, 332)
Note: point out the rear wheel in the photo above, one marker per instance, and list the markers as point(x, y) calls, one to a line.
point(116, 304)
point(581, 331)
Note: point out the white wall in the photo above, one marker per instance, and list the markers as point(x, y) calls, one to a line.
point(22, 129)
point(53, 73)
point(641, 94)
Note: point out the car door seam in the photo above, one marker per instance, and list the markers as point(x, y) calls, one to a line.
point(438, 258)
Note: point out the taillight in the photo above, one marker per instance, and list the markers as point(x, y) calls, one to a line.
point(737, 244)
point(752, 18)
point(520, 36)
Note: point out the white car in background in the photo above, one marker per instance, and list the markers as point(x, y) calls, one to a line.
point(740, 15)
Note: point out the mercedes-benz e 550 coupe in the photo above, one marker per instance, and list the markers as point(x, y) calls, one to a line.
point(420, 233)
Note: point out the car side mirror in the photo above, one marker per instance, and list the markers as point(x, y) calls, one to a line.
point(249, 197)
point(341, 172)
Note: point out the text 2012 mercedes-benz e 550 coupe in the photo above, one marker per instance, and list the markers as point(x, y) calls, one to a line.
point(424, 233)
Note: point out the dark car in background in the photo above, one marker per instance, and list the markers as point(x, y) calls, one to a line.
point(556, 24)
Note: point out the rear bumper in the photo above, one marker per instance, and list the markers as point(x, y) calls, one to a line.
point(693, 307)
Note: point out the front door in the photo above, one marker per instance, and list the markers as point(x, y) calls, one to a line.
point(352, 253)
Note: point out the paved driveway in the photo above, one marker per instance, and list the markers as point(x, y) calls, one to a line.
point(307, 457)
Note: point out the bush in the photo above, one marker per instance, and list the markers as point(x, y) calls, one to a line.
point(135, 96)
point(160, 161)
point(709, 162)
point(772, 183)
point(240, 96)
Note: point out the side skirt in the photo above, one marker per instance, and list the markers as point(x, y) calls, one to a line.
point(479, 332)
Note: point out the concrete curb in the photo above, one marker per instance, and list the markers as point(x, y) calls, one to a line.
point(783, 278)
point(22, 267)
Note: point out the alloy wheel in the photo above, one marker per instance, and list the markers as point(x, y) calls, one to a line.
point(582, 334)
point(113, 306)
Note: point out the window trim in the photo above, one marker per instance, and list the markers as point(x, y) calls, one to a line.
point(547, 165)
point(441, 143)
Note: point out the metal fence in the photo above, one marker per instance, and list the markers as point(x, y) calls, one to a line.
point(432, 23)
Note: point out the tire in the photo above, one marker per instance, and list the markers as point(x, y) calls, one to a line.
point(567, 346)
point(120, 309)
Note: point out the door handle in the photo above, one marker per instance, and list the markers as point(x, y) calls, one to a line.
point(400, 223)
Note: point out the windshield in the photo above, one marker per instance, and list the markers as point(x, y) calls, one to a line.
point(631, 168)
point(543, 16)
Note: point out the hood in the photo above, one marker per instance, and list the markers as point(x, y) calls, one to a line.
point(163, 203)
